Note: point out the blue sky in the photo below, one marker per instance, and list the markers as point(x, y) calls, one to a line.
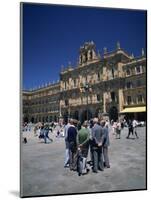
point(52, 36)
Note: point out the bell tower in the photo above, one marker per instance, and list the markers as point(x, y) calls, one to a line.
point(87, 53)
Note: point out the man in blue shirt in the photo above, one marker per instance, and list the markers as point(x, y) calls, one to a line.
point(97, 133)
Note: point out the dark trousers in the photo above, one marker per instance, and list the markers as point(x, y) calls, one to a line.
point(132, 131)
point(91, 151)
point(85, 150)
point(118, 134)
point(97, 159)
point(73, 156)
point(72, 160)
point(129, 132)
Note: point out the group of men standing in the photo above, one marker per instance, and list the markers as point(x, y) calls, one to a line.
point(78, 140)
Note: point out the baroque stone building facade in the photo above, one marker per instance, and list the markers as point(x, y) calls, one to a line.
point(113, 84)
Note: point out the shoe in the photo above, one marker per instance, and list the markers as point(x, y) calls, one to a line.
point(88, 170)
point(101, 169)
point(66, 166)
point(127, 137)
point(94, 171)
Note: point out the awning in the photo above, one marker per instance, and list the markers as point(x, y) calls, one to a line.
point(134, 109)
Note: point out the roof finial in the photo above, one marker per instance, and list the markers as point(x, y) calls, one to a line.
point(118, 45)
point(143, 53)
point(132, 56)
point(105, 50)
point(99, 55)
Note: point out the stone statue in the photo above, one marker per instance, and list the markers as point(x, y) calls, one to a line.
point(118, 45)
point(62, 68)
point(143, 53)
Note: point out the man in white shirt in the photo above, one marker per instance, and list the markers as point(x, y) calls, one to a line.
point(135, 124)
point(66, 162)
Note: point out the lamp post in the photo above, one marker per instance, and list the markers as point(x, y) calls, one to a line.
point(86, 88)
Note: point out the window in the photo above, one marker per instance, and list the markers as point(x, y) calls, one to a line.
point(65, 85)
point(98, 97)
point(138, 69)
point(128, 85)
point(113, 96)
point(66, 102)
point(91, 55)
point(139, 83)
point(129, 100)
point(140, 98)
point(112, 72)
point(98, 75)
point(74, 82)
point(128, 73)
point(86, 58)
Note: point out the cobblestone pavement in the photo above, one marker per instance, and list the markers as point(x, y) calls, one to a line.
point(43, 172)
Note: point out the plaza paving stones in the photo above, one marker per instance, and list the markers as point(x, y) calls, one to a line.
point(43, 172)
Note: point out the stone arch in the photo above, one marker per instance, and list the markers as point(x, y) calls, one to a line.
point(47, 119)
point(113, 113)
point(97, 111)
point(26, 119)
point(55, 118)
point(32, 119)
point(76, 115)
point(43, 119)
point(50, 118)
point(86, 115)
point(65, 116)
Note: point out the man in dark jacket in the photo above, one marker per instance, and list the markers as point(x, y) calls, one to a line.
point(130, 128)
point(72, 140)
point(97, 147)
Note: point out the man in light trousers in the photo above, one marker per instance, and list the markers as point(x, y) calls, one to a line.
point(66, 162)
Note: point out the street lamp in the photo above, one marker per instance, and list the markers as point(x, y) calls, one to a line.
point(86, 88)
